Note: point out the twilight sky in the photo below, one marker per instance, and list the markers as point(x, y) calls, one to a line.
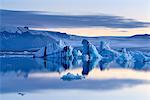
point(137, 10)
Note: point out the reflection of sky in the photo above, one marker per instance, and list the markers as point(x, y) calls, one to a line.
point(137, 93)
point(113, 74)
point(135, 9)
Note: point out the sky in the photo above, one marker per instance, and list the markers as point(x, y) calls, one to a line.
point(138, 10)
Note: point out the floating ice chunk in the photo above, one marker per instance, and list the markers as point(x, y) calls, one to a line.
point(89, 50)
point(130, 59)
point(93, 52)
point(104, 45)
point(106, 51)
point(70, 77)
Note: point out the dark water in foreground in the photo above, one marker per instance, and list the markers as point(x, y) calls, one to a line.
point(39, 78)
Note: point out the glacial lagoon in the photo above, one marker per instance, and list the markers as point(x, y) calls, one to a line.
point(26, 78)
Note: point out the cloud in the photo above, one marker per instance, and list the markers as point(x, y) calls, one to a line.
point(34, 19)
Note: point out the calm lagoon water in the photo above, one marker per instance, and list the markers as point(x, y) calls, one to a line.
point(24, 78)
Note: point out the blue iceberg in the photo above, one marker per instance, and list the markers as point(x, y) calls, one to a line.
point(89, 51)
point(71, 77)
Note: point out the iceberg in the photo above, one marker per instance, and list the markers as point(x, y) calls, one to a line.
point(56, 49)
point(89, 51)
point(106, 51)
point(71, 77)
point(130, 59)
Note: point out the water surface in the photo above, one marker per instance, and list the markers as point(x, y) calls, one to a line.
point(39, 78)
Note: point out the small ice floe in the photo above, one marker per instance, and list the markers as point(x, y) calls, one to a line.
point(70, 77)
point(22, 94)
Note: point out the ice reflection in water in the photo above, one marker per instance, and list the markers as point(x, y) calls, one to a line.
point(27, 65)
